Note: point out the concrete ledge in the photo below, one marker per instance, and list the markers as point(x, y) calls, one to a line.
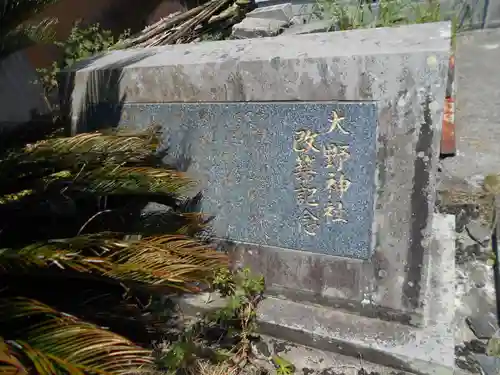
point(386, 343)
point(308, 360)
point(426, 350)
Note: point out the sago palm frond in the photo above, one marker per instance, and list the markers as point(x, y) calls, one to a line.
point(101, 184)
point(174, 261)
point(13, 13)
point(110, 180)
point(102, 181)
point(15, 32)
point(92, 163)
point(171, 260)
point(9, 365)
point(131, 147)
point(25, 35)
point(55, 342)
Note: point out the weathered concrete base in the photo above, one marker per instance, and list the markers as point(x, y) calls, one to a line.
point(423, 351)
point(309, 361)
point(427, 350)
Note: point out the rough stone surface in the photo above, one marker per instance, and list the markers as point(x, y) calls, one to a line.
point(280, 12)
point(154, 207)
point(476, 119)
point(257, 28)
point(310, 361)
point(483, 326)
point(490, 365)
point(475, 316)
point(403, 69)
point(308, 28)
point(479, 232)
point(473, 300)
point(467, 249)
point(303, 13)
point(465, 359)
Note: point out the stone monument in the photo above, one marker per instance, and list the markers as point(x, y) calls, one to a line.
point(318, 156)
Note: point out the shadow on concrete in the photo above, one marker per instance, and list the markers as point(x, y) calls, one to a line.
point(101, 97)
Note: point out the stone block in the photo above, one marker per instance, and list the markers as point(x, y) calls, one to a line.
point(484, 326)
point(280, 12)
point(479, 231)
point(257, 28)
point(257, 120)
point(489, 365)
point(266, 3)
point(308, 28)
point(306, 9)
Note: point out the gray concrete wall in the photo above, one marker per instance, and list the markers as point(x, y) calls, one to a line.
point(477, 117)
point(493, 14)
point(19, 96)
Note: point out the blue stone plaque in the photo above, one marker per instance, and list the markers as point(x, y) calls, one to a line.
point(285, 174)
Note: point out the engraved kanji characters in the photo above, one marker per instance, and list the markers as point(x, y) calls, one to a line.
point(304, 141)
point(337, 183)
point(303, 144)
point(334, 211)
point(307, 196)
point(335, 121)
point(309, 222)
point(307, 144)
point(303, 171)
point(336, 155)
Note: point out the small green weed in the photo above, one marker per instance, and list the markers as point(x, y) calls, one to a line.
point(224, 335)
point(82, 43)
point(283, 367)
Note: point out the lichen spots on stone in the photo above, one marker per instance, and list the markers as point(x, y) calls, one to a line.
point(275, 62)
point(432, 62)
